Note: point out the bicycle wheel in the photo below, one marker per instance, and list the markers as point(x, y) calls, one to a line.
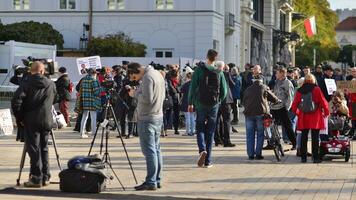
point(276, 143)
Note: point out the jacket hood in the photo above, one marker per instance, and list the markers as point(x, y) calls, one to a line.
point(38, 81)
point(306, 88)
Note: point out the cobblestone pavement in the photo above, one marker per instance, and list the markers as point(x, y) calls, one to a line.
point(233, 176)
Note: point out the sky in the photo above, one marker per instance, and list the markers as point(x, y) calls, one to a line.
point(335, 4)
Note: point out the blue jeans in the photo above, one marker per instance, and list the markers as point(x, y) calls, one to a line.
point(149, 133)
point(254, 125)
point(205, 125)
point(190, 123)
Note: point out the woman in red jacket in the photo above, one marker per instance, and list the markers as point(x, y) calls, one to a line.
point(313, 121)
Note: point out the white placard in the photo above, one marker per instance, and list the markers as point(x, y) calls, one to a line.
point(330, 85)
point(88, 62)
point(6, 126)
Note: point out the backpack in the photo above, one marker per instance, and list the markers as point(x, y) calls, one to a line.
point(307, 105)
point(209, 87)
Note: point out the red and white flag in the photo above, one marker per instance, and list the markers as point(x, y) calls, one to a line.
point(310, 26)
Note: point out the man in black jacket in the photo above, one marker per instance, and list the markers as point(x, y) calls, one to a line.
point(328, 74)
point(63, 88)
point(32, 105)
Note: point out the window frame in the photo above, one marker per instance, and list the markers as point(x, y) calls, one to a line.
point(67, 5)
point(21, 4)
point(117, 2)
point(165, 3)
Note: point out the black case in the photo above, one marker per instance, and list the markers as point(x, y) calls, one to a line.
point(78, 181)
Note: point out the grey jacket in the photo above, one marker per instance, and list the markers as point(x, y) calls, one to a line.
point(284, 90)
point(150, 96)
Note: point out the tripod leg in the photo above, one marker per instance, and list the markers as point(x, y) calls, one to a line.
point(123, 144)
point(22, 163)
point(102, 140)
point(92, 142)
point(108, 161)
point(55, 150)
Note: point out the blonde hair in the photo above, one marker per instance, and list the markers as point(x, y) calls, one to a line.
point(310, 78)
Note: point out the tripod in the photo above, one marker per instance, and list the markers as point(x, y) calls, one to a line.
point(23, 157)
point(104, 125)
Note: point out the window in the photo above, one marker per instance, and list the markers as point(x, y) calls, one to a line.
point(116, 4)
point(164, 4)
point(258, 8)
point(21, 4)
point(164, 53)
point(67, 4)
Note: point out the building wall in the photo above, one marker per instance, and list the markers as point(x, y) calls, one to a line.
point(350, 36)
point(189, 29)
point(345, 13)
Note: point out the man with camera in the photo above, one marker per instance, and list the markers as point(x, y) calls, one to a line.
point(150, 95)
point(32, 105)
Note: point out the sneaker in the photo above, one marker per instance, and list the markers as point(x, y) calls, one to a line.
point(176, 132)
point(84, 136)
point(259, 157)
point(31, 184)
point(234, 130)
point(304, 159)
point(251, 157)
point(201, 159)
point(208, 166)
point(159, 186)
point(186, 134)
point(145, 186)
point(46, 183)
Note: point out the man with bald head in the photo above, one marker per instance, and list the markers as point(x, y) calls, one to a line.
point(32, 105)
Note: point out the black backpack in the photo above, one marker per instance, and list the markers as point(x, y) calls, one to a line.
point(209, 87)
point(307, 105)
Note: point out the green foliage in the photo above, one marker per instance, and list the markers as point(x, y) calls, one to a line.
point(115, 45)
point(32, 32)
point(325, 39)
point(345, 55)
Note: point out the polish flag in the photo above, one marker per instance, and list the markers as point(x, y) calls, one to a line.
point(310, 26)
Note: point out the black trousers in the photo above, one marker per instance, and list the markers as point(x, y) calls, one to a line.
point(37, 148)
point(235, 111)
point(315, 143)
point(282, 116)
point(176, 112)
point(122, 119)
point(223, 128)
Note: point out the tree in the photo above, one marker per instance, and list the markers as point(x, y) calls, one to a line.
point(325, 40)
point(32, 32)
point(113, 45)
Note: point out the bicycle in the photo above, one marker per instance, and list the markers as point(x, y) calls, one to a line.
point(273, 136)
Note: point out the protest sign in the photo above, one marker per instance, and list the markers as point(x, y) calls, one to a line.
point(6, 126)
point(330, 85)
point(349, 86)
point(88, 62)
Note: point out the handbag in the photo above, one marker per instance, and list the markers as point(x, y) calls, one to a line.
point(79, 181)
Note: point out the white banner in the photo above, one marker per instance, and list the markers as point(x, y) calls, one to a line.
point(6, 126)
point(330, 85)
point(88, 62)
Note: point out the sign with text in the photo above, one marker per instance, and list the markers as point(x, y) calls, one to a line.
point(349, 86)
point(6, 125)
point(88, 62)
point(330, 85)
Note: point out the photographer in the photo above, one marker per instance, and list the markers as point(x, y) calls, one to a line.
point(32, 104)
point(150, 97)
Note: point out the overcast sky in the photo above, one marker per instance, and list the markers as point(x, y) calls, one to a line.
point(335, 4)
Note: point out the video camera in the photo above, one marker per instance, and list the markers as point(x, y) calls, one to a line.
point(157, 66)
point(50, 66)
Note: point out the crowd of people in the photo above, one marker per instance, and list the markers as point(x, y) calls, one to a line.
point(150, 100)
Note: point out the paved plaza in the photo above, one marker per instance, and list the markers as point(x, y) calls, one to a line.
point(233, 176)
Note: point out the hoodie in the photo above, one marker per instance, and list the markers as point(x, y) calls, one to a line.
point(32, 102)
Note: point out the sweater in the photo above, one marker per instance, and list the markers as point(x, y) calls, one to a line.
point(150, 96)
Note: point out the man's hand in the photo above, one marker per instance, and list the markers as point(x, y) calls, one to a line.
point(190, 108)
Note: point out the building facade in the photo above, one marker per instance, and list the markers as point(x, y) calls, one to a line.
point(265, 25)
point(346, 32)
point(169, 28)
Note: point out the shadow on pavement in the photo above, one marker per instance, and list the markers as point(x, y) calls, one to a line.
point(53, 193)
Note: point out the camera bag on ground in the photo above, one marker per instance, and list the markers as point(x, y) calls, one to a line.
point(85, 174)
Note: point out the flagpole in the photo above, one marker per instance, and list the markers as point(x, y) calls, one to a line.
point(314, 57)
